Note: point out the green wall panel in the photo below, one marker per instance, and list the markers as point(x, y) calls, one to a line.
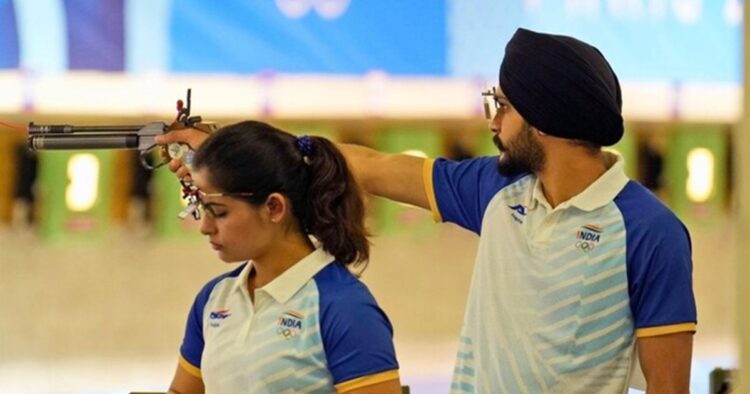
point(683, 141)
point(58, 222)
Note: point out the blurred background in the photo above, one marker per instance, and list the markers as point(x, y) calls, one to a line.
point(97, 273)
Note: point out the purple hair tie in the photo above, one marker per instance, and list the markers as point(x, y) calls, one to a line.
point(305, 145)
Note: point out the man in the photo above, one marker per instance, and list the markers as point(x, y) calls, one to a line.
point(581, 274)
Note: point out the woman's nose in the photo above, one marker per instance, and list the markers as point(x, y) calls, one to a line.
point(207, 226)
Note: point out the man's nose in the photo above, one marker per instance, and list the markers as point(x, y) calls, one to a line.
point(494, 124)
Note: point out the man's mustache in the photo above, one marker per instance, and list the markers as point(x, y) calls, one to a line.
point(498, 143)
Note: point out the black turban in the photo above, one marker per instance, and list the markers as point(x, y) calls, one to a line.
point(563, 87)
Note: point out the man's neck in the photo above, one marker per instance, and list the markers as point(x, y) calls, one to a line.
point(567, 175)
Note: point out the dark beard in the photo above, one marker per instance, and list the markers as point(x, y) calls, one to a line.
point(527, 156)
point(509, 167)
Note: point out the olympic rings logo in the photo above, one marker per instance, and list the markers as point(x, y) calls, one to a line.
point(585, 246)
point(287, 333)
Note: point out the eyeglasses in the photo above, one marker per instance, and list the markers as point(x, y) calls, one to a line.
point(492, 104)
point(195, 196)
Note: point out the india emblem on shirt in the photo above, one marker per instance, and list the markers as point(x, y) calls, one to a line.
point(588, 237)
point(289, 324)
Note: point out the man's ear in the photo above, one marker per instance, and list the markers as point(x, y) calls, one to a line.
point(277, 207)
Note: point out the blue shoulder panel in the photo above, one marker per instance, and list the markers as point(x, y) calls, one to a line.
point(659, 263)
point(357, 335)
point(192, 343)
point(464, 189)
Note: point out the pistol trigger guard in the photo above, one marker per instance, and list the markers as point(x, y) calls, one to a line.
point(145, 162)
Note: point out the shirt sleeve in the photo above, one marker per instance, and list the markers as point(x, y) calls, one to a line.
point(459, 191)
point(660, 273)
point(192, 343)
point(357, 337)
point(191, 350)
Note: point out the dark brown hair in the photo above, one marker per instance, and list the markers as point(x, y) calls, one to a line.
point(326, 201)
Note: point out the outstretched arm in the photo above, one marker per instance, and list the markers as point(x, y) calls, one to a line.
point(394, 176)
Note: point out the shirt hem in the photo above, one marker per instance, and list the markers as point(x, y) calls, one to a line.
point(190, 368)
point(664, 330)
point(368, 380)
point(429, 189)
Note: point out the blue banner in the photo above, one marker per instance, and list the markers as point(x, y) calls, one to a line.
point(8, 35)
point(675, 41)
point(644, 40)
point(95, 34)
point(309, 36)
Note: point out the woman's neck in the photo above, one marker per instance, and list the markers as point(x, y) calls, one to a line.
point(278, 259)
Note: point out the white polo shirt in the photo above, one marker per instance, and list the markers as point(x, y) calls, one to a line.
point(558, 296)
point(314, 329)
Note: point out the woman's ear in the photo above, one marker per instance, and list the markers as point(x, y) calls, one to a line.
point(277, 207)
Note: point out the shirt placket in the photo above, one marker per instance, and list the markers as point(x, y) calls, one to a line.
point(543, 227)
point(254, 309)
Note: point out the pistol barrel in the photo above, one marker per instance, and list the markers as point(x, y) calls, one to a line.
point(67, 129)
point(63, 142)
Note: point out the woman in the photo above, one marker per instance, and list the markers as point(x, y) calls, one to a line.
point(293, 318)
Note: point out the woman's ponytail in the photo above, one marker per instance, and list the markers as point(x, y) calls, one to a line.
point(335, 214)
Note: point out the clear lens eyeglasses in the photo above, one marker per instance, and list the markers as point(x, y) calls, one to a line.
point(490, 103)
point(195, 196)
